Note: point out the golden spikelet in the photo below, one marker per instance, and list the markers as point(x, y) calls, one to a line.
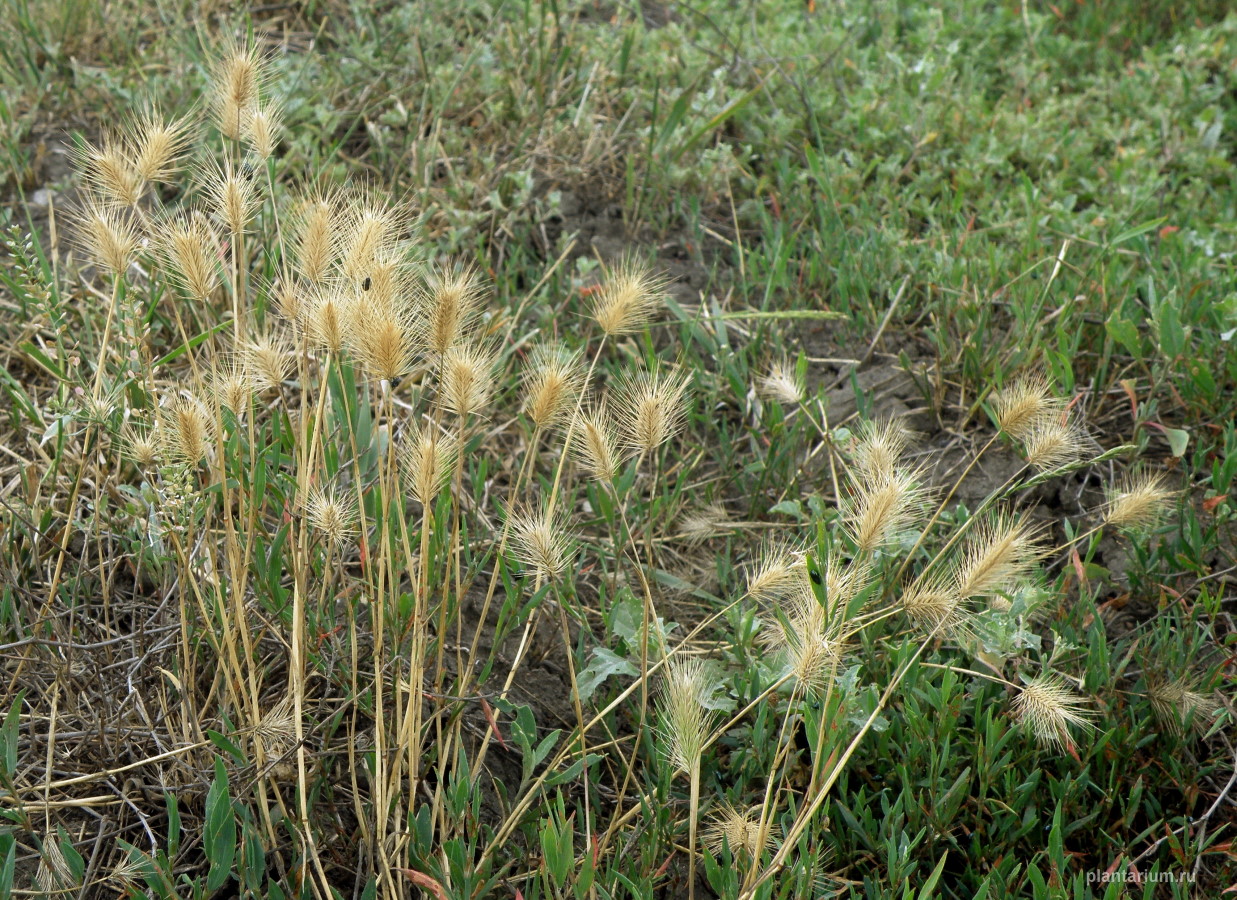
point(290, 300)
point(1024, 404)
point(157, 145)
point(702, 524)
point(1052, 443)
point(540, 542)
point(231, 195)
point(110, 173)
point(783, 383)
point(597, 446)
point(551, 383)
point(109, 237)
point(331, 515)
point(262, 131)
point(1000, 552)
point(429, 460)
point(384, 340)
point(879, 447)
point(1178, 706)
point(628, 298)
point(317, 241)
point(1140, 501)
point(812, 637)
point(740, 831)
point(268, 359)
point(327, 320)
point(467, 378)
point(684, 716)
point(237, 78)
point(933, 605)
point(140, 446)
point(780, 566)
point(1048, 708)
point(452, 302)
point(882, 505)
point(651, 408)
point(187, 430)
point(191, 248)
point(232, 388)
point(368, 234)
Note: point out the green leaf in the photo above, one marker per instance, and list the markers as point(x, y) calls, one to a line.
point(929, 886)
point(605, 664)
point(219, 837)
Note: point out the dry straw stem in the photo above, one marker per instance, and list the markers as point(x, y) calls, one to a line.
point(1025, 404)
point(552, 383)
point(1178, 706)
point(783, 383)
point(1000, 553)
point(740, 831)
point(1139, 502)
point(629, 297)
point(651, 408)
point(597, 447)
point(1047, 708)
point(540, 541)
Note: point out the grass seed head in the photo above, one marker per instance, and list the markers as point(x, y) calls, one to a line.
point(812, 637)
point(882, 505)
point(704, 523)
point(187, 429)
point(232, 388)
point(429, 460)
point(651, 408)
point(775, 574)
point(141, 446)
point(1051, 443)
point(452, 302)
point(237, 77)
point(783, 383)
point(369, 233)
point(1024, 404)
point(109, 237)
point(1139, 502)
point(740, 831)
point(263, 129)
point(1047, 708)
point(110, 173)
point(331, 516)
point(467, 378)
point(934, 606)
point(1177, 705)
point(384, 339)
point(596, 446)
point(880, 447)
point(628, 298)
point(317, 239)
point(551, 383)
point(541, 542)
point(231, 194)
point(267, 361)
point(191, 248)
point(1000, 552)
point(683, 714)
point(157, 145)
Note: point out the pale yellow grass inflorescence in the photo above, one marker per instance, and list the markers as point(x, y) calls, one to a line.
point(783, 383)
point(651, 408)
point(1178, 706)
point(1140, 501)
point(597, 446)
point(109, 237)
point(1000, 553)
point(883, 505)
point(1024, 404)
point(628, 298)
point(740, 831)
point(331, 515)
point(683, 713)
point(552, 382)
point(541, 541)
point(429, 459)
point(452, 302)
point(1048, 708)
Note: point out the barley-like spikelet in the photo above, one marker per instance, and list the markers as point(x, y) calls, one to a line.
point(263, 129)
point(683, 714)
point(328, 320)
point(704, 523)
point(597, 447)
point(883, 505)
point(933, 604)
point(628, 298)
point(383, 339)
point(236, 80)
point(429, 460)
point(879, 448)
point(452, 301)
point(551, 383)
point(267, 361)
point(775, 574)
point(467, 378)
point(109, 237)
point(1024, 404)
point(187, 429)
point(110, 173)
point(231, 194)
point(651, 408)
point(540, 542)
point(191, 247)
point(740, 831)
point(232, 388)
point(1051, 443)
point(1047, 708)
point(1177, 705)
point(317, 240)
point(783, 383)
point(157, 145)
point(331, 515)
point(54, 875)
point(368, 234)
point(1000, 552)
point(1139, 502)
point(141, 446)
point(812, 637)
point(289, 297)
